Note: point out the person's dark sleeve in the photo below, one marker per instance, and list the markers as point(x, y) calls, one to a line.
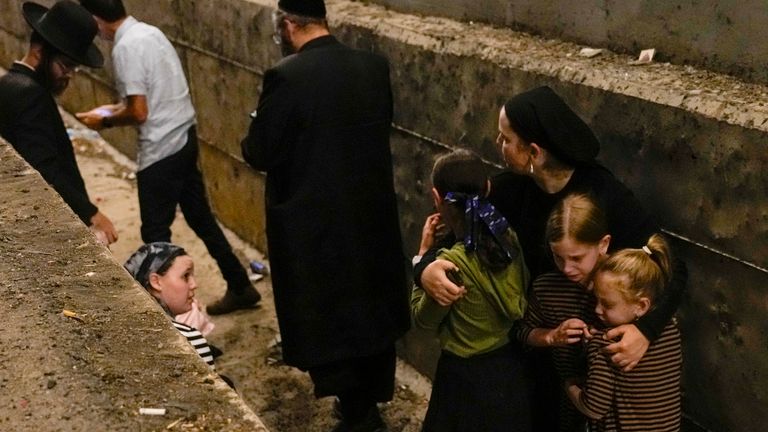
point(266, 144)
point(631, 227)
point(653, 323)
point(37, 144)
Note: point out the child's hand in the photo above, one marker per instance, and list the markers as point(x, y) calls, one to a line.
point(568, 332)
point(630, 347)
point(572, 388)
point(573, 381)
point(431, 226)
point(589, 332)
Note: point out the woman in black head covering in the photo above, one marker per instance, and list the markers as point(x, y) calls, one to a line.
point(550, 153)
point(539, 120)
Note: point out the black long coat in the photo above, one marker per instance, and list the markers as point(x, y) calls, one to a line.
point(30, 121)
point(321, 133)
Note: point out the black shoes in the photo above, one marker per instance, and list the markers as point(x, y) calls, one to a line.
point(232, 301)
point(372, 422)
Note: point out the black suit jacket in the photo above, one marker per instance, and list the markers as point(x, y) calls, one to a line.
point(321, 133)
point(30, 121)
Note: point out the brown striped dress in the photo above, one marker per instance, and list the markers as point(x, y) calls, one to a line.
point(645, 399)
point(554, 299)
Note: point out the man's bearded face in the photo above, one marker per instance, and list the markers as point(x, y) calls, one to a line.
point(55, 71)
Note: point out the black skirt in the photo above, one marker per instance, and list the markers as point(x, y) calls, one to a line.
point(484, 393)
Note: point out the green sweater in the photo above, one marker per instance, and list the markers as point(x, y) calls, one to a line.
point(480, 321)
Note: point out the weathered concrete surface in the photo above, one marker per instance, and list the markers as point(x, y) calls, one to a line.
point(726, 36)
point(690, 143)
point(120, 353)
point(724, 329)
point(239, 190)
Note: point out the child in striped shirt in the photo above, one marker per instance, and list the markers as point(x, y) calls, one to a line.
point(647, 398)
point(168, 274)
point(561, 303)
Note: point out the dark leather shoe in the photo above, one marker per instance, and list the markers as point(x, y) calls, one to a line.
point(232, 301)
point(371, 423)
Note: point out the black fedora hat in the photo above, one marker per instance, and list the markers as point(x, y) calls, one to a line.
point(68, 27)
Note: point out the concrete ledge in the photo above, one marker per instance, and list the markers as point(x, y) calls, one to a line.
point(716, 35)
point(119, 354)
point(709, 94)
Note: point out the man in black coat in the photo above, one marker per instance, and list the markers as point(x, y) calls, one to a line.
point(62, 39)
point(321, 133)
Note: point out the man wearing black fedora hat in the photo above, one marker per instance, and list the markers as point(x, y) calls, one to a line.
point(155, 99)
point(61, 41)
point(321, 133)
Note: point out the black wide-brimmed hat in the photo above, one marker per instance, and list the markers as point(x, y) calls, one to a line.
point(307, 8)
point(69, 28)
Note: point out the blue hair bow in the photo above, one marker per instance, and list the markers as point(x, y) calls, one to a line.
point(478, 211)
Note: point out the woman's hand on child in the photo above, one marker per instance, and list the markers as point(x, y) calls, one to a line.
point(436, 283)
point(568, 332)
point(428, 232)
point(629, 348)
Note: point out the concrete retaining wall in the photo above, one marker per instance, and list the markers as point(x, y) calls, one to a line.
point(115, 353)
point(689, 143)
point(725, 36)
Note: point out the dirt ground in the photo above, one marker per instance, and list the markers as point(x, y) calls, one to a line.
point(280, 395)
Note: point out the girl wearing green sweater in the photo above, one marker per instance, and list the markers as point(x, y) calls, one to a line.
point(479, 384)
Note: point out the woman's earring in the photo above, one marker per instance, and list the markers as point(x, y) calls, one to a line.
point(530, 167)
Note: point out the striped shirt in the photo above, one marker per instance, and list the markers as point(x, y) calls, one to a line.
point(198, 342)
point(645, 399)
point(554, 299)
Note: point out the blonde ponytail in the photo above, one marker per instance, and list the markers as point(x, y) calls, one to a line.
point(648, 269)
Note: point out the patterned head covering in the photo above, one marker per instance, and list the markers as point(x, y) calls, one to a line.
point(149, 258)
point(477, 211)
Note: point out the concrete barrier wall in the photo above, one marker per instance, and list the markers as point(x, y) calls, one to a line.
point(725, 36)
point(116, 351)
point(689, 143)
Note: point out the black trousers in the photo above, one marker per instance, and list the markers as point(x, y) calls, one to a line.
point(176, 180)
point(359, 382)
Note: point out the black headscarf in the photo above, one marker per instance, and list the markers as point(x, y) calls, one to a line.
point(540, 116)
